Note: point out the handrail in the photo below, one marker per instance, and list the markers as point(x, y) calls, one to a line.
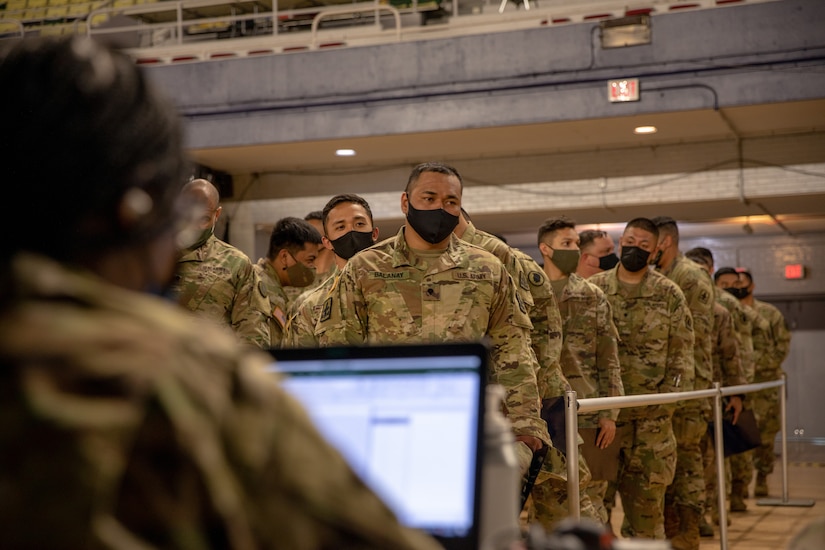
point(356, 9)
point(17, 22)
point(574, 406)
point(178, 22)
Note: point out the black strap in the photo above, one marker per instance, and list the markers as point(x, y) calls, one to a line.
point(533, 473)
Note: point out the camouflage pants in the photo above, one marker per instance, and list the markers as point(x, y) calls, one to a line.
point(711, 489)
point(549, 496)
point(647, 463)
point(741, 468)
point(596, 491)
point(765, 406)
point(688, 487)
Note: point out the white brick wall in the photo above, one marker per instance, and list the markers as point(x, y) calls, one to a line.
point(712, 185)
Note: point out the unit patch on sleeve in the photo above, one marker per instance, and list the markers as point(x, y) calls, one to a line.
point(537, 278)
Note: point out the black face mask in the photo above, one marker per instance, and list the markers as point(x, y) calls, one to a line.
point(432, 225)
point(738, 293)
point(349, 244)
point(634, 258)
point(608, 262)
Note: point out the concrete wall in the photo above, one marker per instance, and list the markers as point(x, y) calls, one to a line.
point(723, 57)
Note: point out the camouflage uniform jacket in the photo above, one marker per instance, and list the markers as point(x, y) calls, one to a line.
point(771, 342)
point(275, 294)
point(217, 281)
point(129, 424)
point(655, 338)
point(305, 311)
point(742, 320)
point(389, 295)
point(537, 294)
point(727, 364)
point(697, 286)
point(590, 355)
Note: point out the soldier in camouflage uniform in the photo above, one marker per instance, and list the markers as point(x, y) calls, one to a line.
point(728, 371)
point(597, 253)
point(215, 279)
point(126, 422)
point(289, 262)
point(656, 356)
point(548, 503)
point(348, 229)
point(589, 358)
point(426, 285)
point(771, 345)
point(685, 498)
point(727, 280)
point(325, 259)
point(324, 262)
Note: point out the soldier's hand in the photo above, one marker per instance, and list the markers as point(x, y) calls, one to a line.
point(533, 442)
point(734, 403)
point(607, 432)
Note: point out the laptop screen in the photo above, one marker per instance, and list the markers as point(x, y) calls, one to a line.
point(408, 419)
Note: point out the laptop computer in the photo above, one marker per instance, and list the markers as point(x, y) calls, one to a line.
point(409, 419)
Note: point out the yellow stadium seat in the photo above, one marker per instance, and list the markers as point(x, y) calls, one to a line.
point(56, 12)
point(123, 3)
point(12, 14)
point(99, 19)
point(58, 2)
point(35, 13)
point(16, 5)
point(9, 28)
point(77, 10)
point(51, 30)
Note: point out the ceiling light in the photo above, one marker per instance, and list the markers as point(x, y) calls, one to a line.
point(645, 130)
point(345, 152)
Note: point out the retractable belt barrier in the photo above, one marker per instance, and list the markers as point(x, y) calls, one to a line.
point(574, 406)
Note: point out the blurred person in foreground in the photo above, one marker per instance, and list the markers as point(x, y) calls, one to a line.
point(127, 422)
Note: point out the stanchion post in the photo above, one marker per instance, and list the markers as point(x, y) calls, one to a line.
point(719, 452)
point(785, 501)
point(571, 425)
point(783, 430)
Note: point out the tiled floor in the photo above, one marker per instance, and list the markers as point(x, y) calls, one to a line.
point(774, 527)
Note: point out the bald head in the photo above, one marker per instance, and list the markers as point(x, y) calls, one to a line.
point(203, 192)
point(201, 199)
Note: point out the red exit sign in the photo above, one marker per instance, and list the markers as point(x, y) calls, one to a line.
point(794, 271)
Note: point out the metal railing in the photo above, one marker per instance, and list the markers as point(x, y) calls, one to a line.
point(573, 407)
point(316, 21)
point(16, 22)
point(175, 17)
